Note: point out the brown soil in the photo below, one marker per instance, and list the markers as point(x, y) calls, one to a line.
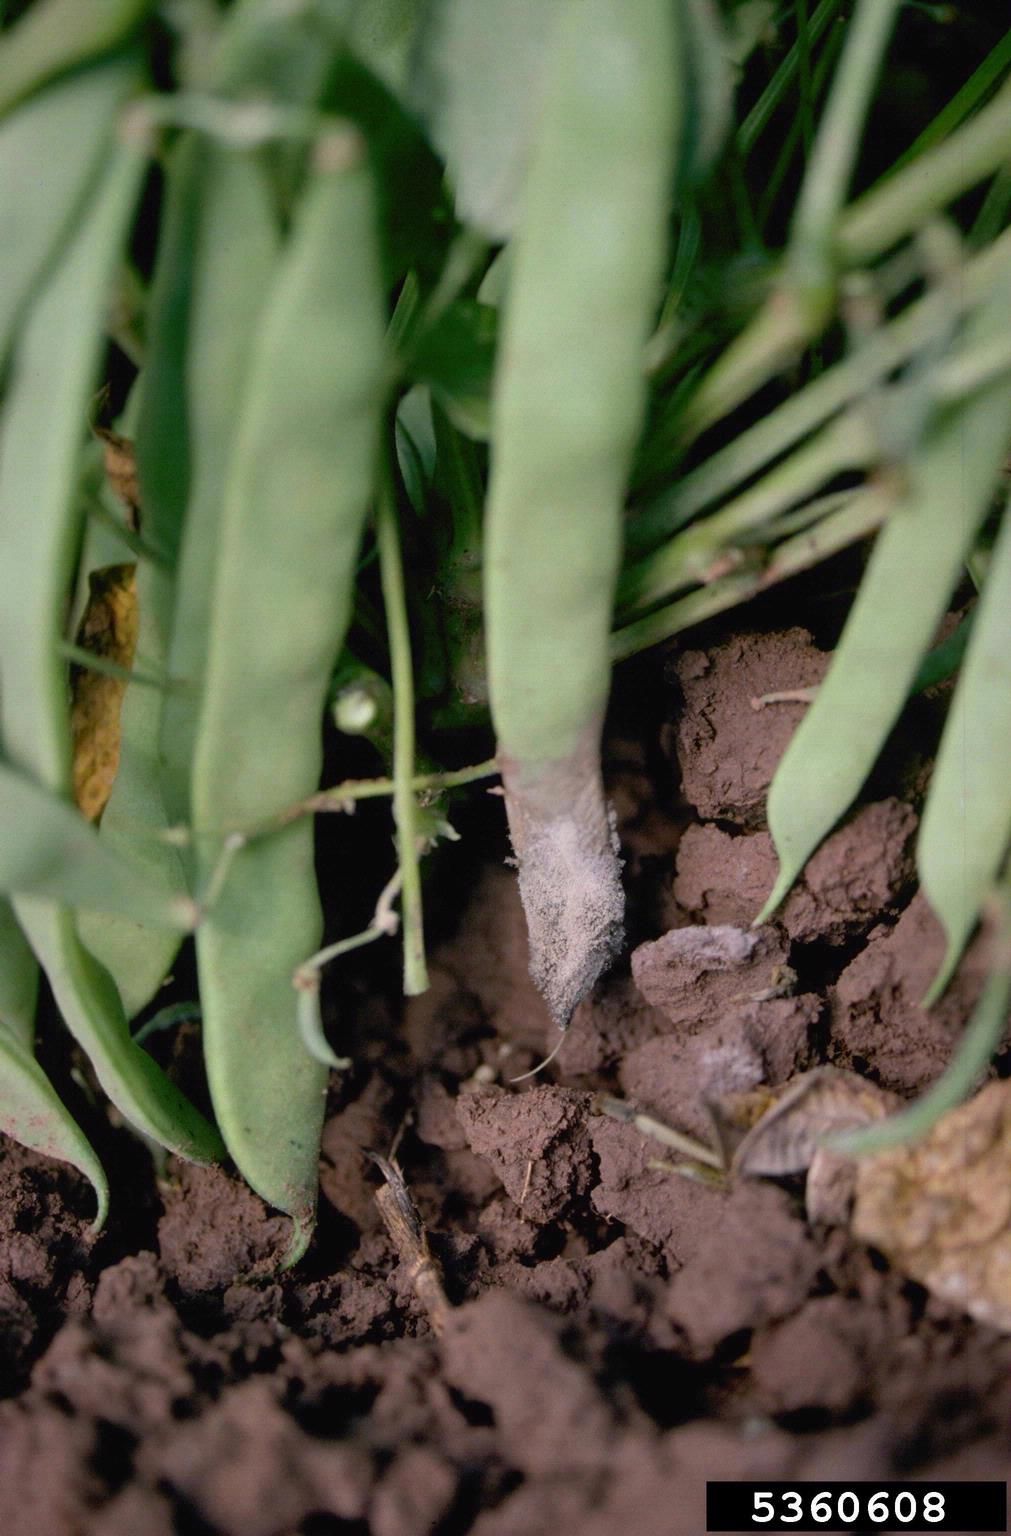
point(618, 1334)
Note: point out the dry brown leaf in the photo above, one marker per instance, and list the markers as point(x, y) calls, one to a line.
point(941, 1210)
point(771, 1132)
point(121, 471)
point(108, 630)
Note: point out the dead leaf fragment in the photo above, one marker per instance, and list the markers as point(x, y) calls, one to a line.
point(121, 471)
point(771, 1132)
point(109, 631)
point(941, 1210)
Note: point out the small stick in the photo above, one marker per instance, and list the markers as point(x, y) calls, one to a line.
point(620, 1109)
point(785, 696)
point(410, 1239)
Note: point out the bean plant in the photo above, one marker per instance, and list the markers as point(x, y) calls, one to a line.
point(439, 355)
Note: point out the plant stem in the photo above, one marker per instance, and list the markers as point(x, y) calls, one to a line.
point(757, 119)
point(900, 203)
point(810, 261)
point(391, 571)
point(804, 412)
point(845, 444)
point(795, 314)
point(864, 512)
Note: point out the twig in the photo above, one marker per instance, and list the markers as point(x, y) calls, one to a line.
point(407, 1231)
point(646, 1125)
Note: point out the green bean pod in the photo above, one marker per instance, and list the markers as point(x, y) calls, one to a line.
point(45, 411)
point(67, 130)
point(31, 1112)
point(966, 825)
point(568, 401)
point(909, 579)
point(299, 486)
point(217, 256)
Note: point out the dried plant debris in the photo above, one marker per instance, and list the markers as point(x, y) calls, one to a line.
point(940, 1210)
point(772, 1132)
point(120, 462)
point(108, 630)
point(769, 1132)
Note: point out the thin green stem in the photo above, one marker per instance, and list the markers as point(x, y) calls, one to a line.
point(865, 511)
point(758, 118)
point(826, 62)
point(776, 433)
point(806, 114)
point(901, 203)
point(847, 443)
point(811, 264)
point(405, 807)
point(425, 784)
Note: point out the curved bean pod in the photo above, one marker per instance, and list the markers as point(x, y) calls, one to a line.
point(217, 256)
point(568, 400)
point(918, 553)
point(50, 383)
point(299, 486)
point(967, 821)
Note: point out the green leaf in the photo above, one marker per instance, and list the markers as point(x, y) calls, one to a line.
point(967, 821)
point(909, 579)
point(456, 358)
point(66, 130)
point(479, 85)
point(56, 35)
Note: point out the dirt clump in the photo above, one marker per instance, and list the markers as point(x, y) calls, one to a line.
point(618, 1332)
point(727, 750)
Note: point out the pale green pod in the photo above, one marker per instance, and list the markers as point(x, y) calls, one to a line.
point(568, 400)
point(67, 130)
point(226, 257)
point(966, 825)
point(299, 485)
point(909, 579)
point(51, 379)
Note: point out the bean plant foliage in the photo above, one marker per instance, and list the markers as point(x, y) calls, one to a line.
point(411, 362)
